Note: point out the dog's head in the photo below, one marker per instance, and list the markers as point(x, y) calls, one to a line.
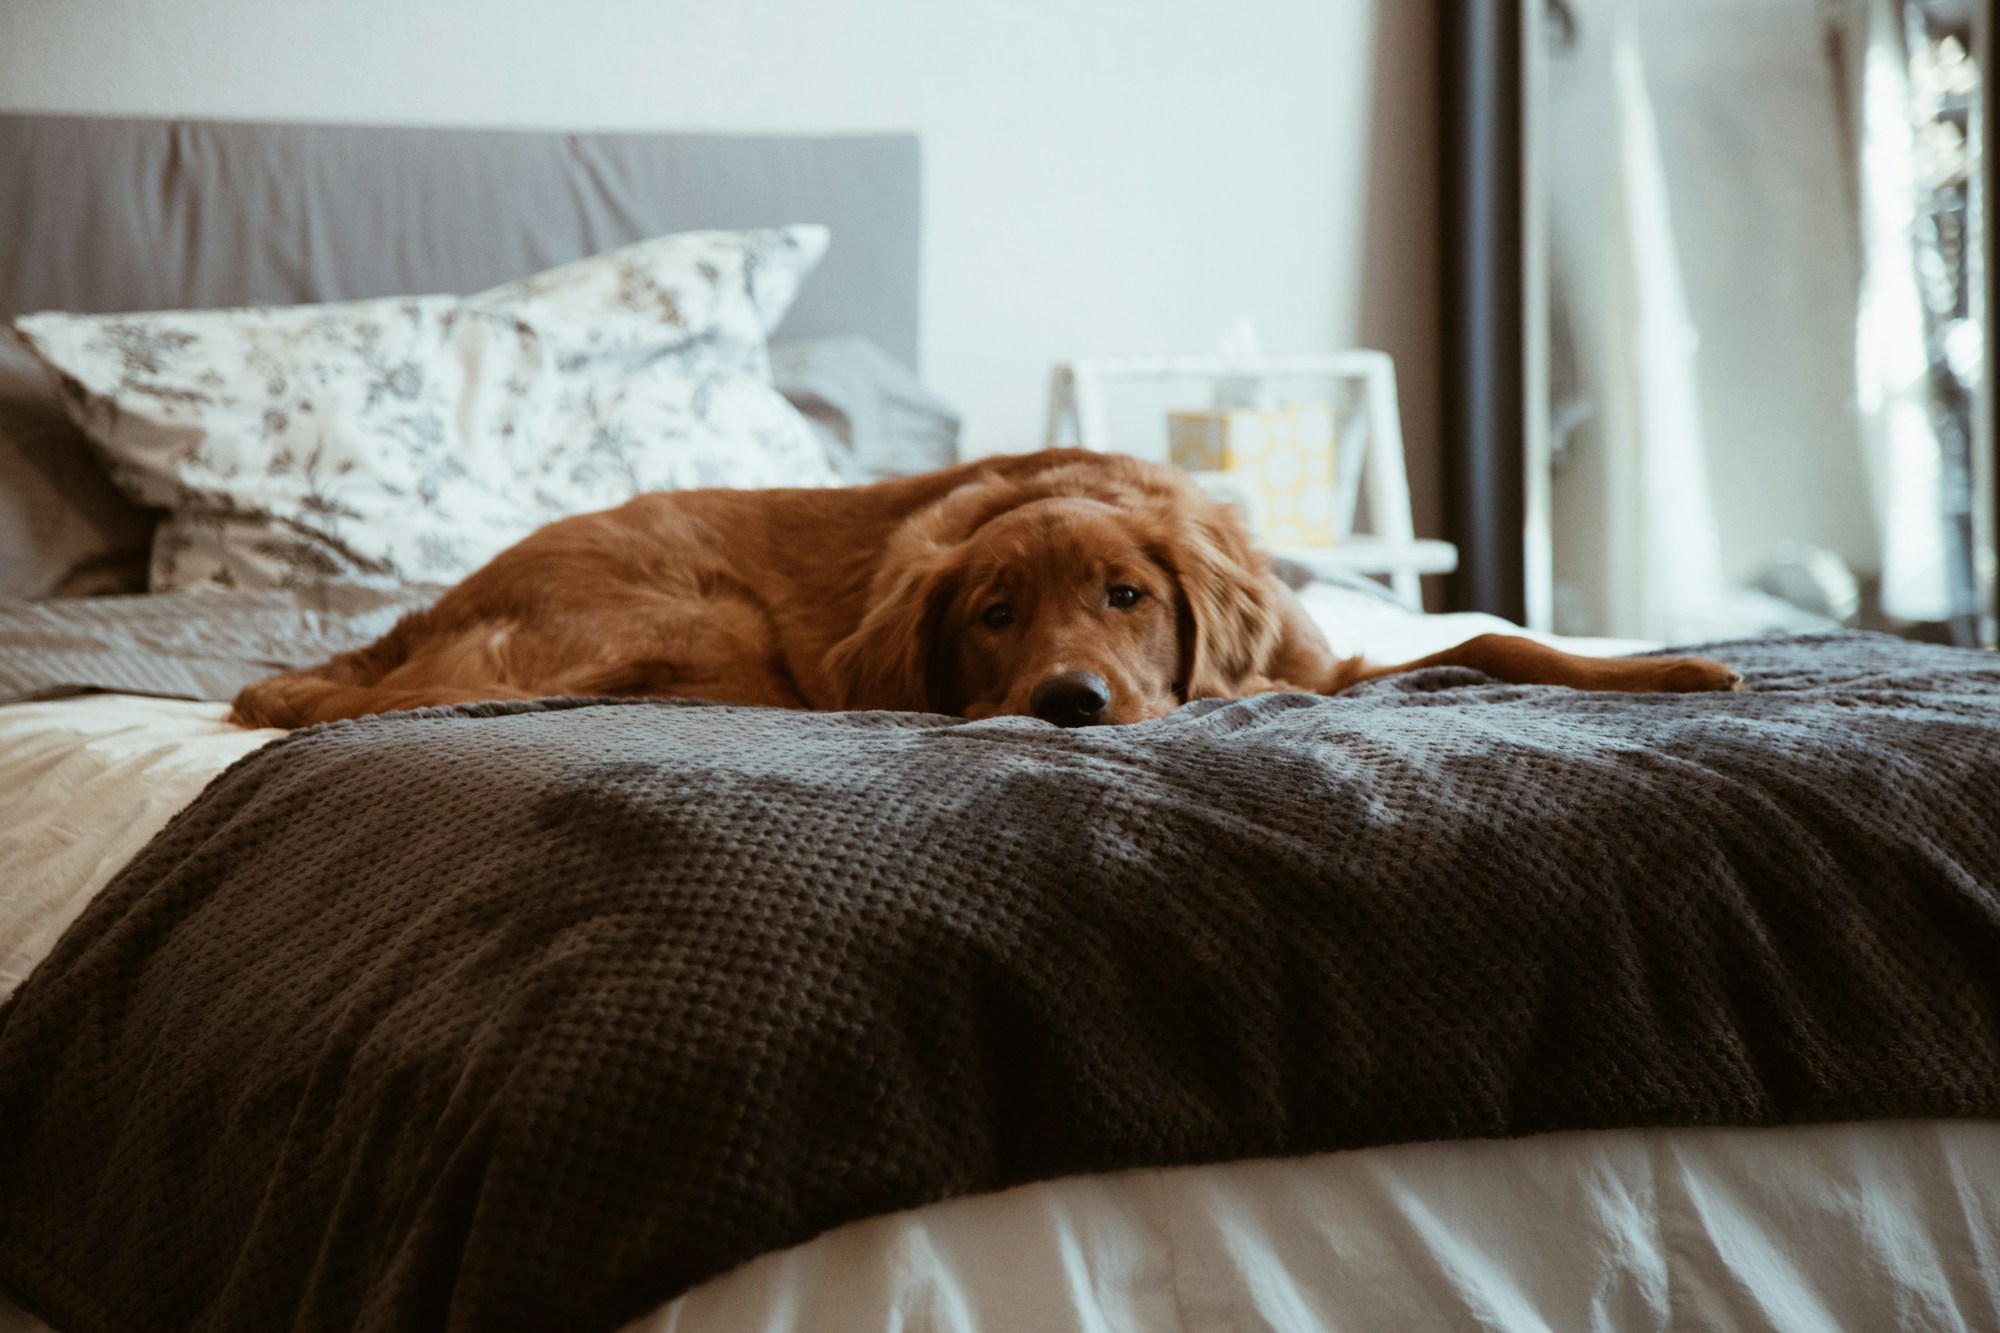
point(1100, 591)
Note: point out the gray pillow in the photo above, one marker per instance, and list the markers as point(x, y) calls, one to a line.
point(875, 416)
point(64, 528)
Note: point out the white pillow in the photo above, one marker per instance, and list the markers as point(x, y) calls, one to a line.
point(410, 439)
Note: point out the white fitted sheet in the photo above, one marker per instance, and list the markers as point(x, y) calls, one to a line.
point(1875, 1226)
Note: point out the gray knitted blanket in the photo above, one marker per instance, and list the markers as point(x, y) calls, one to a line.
point(532, 1016)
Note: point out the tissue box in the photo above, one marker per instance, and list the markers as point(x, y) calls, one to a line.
point(1283, 457)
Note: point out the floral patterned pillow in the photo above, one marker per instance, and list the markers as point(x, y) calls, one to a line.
point(410, 439)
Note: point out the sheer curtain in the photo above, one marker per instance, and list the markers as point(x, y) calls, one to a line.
point(1891, 360)
point(1665, 572)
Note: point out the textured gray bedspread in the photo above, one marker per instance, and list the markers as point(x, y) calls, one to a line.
point(532, 1016)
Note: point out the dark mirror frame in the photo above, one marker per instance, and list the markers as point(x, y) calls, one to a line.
point(1483, 231)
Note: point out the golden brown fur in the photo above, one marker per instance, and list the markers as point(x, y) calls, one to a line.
point(958, 591)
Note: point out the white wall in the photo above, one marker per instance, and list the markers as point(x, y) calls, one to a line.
point(1101, 176)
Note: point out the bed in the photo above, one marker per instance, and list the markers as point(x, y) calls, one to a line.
point(1880, 1210)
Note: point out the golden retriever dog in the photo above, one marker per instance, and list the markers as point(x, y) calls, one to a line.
point(1076, 587)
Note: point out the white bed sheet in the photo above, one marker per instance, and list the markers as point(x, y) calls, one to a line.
point(1873, 1227)
point(84, 784)
point(1877, 1226)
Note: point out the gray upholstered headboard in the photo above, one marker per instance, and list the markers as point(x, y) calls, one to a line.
point(104, 215)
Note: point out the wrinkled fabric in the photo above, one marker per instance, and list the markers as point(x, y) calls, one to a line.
point(1888, 1225)
point(203, 644)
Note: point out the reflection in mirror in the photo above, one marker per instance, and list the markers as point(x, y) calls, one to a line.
point(1765, 317)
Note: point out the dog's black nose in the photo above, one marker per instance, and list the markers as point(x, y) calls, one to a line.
point(1071, 699)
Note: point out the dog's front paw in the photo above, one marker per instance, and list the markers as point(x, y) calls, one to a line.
point(1694, 675)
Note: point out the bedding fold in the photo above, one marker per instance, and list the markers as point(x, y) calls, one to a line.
point(535, 1015)
point(185, 645)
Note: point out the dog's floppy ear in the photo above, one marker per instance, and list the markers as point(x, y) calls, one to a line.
point(1230, 622)
point(891, 660)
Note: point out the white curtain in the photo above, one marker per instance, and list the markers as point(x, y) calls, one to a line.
point(1666, 578)
point(1890, 361)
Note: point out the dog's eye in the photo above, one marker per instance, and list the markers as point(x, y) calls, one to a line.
point(997, 616)
point(1125, 598)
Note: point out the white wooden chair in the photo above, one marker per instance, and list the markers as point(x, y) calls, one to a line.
point(1369, 451)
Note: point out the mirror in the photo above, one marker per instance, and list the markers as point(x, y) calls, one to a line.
point(1758, 384)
